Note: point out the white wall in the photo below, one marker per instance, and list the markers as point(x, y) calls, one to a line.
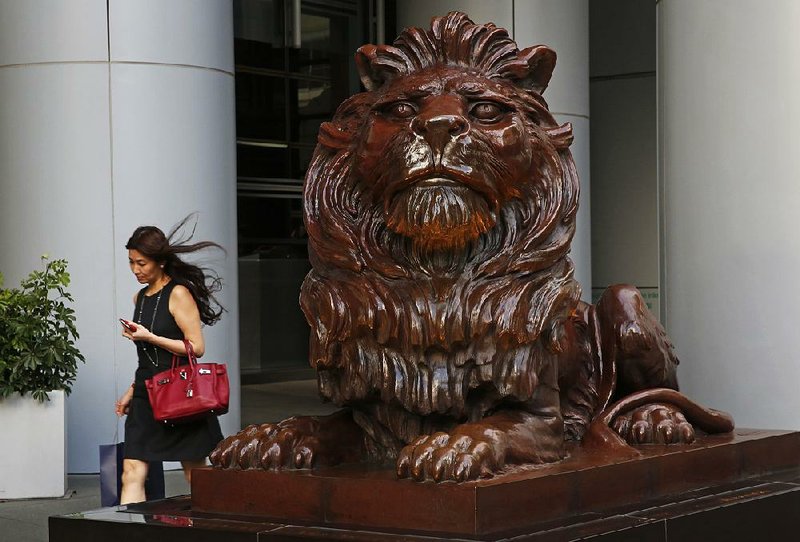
point(729, 79)
point(102, 131)
point(563, 26)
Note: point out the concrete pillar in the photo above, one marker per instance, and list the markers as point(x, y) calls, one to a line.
point(114, 115)
point(728, 84)
point(563, 26)
point(420, 12)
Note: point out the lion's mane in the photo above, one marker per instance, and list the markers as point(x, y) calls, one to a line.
point(415, 335)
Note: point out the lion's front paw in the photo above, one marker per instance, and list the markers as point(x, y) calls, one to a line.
point(289, 444)
point(654, 424)
point(238, 451)
point(442, 457)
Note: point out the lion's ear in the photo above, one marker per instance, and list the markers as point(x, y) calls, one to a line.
point(378, 64)
point(533, 68)
point(364, 56)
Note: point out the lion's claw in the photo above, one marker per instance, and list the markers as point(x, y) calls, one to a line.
point(655, 424)
point(442, 457)
point(288, 444)
point(240, 450)
point(300, 442)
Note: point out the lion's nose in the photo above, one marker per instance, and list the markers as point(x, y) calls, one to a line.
point(438, 130)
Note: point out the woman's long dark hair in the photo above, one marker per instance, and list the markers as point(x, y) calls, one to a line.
point(202, 282)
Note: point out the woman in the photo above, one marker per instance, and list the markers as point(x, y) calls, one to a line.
point(171, 307)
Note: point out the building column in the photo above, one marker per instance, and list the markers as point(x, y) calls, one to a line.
point(728, 81)
point(114, 115)
point(564, 27)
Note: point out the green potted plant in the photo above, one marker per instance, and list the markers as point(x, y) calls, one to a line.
point(38, 365)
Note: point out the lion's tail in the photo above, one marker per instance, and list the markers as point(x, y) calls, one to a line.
point(600, 432)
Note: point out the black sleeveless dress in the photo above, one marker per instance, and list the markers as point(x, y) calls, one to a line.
point(145, 438)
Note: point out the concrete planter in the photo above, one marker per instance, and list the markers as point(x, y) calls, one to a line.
point(33, 451)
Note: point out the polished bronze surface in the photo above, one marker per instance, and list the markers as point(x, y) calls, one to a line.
point(440, 205)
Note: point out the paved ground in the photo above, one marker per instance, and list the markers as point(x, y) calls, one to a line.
point(274, 402)
point(26, 520)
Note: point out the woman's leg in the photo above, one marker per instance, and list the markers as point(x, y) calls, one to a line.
point(134, 473)
point(189, 465)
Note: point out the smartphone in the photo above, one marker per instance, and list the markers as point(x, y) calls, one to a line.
point(127, 325)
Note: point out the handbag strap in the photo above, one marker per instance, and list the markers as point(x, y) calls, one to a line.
point(189, 354)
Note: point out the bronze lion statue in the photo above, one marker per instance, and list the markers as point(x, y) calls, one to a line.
point(440, 205)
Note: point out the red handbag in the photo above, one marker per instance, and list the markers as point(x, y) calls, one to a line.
point(190, 392)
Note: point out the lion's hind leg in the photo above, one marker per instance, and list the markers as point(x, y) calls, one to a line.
point(655, 416)
point(633, 340)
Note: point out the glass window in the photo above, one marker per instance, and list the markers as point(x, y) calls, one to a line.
point(270, 226)
point(260, 106)
point(261, 160)
point(259, 36)
point(313, 103)
point(301, 157)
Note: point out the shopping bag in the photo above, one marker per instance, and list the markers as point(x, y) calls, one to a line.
point(111, 457)
point(110, 473)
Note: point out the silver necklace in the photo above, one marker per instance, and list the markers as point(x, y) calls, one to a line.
point(152, 324)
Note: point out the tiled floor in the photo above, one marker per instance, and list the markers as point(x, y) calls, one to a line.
point(26, 520)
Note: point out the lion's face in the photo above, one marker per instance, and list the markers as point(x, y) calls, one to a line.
point(441, 152)
point(440, 204)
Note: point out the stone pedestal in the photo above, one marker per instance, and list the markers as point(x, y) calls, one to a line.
point(744, 486)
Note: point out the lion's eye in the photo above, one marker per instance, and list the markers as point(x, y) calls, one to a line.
point(487, 111)
point(402, 110)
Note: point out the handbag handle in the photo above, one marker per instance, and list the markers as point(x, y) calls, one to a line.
point(189, 354)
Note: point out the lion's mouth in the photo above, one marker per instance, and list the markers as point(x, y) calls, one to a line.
point(432, 182)
point(448, 179)
point(440, 176)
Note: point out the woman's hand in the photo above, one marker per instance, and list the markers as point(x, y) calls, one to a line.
point(141, 333)
point(123, 404)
